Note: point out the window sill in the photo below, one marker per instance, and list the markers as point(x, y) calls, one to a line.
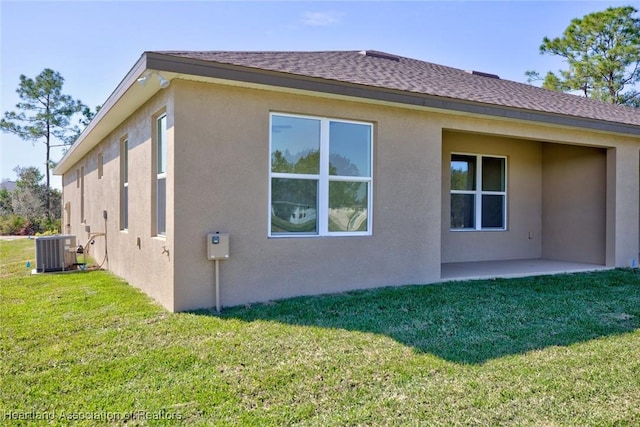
point(482, 230)
point(316, 236)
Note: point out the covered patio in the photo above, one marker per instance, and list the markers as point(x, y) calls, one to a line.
point(516, 207)
point(513, 268)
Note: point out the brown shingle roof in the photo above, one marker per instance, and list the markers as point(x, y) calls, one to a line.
point(420, 77)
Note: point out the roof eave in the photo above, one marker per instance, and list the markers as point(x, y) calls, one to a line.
point(103, 123)
point(97, 128)
point(181, 65)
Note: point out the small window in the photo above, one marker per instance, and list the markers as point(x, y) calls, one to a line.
point(82, 217)
point(478, 192)
point(100, 165)
point(161, 175)
point(124, 184)
point(321, 176)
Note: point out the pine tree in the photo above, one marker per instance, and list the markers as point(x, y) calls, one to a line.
point(44, 115)
point(602, 52)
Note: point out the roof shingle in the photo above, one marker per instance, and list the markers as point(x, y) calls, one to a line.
point(420, 77)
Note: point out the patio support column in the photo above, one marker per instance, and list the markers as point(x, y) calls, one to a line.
point(623, 206)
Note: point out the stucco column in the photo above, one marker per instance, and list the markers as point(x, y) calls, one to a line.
point(623, 206)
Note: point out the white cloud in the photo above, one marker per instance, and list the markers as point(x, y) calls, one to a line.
point(320, 19)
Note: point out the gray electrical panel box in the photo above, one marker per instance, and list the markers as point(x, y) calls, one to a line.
point(217, 246)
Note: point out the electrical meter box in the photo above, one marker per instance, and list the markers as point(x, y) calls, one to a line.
point(217, 246)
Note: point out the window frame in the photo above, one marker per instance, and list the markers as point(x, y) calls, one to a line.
point(83, 217)
point(100, 165)
point(158, 151)
point(124, 183)
point(478, 192)
point(323, 178)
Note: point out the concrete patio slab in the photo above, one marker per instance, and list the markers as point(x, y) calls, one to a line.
point(513, 268)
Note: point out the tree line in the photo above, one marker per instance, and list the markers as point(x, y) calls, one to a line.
point(23, 210)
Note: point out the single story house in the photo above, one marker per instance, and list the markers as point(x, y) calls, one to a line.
point(340, 170)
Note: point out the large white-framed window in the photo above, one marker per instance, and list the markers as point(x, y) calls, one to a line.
point(160, 168)
point(478, 192)
point(320, 176)
point(124, 183)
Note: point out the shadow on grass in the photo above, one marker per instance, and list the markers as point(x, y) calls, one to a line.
point(472, 322)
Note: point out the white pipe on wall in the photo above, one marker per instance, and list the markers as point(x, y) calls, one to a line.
point(218, 305)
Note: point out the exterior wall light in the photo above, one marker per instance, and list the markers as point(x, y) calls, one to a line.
point(144, 78)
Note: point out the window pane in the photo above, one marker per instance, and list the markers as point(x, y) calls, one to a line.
point(125, 208)
point(295, 145)
point(463, 172)
point(493, 174)
point(348, 206)
point(125, 161)
point(161, 213)
point(294, 204)
point(349, 149)
point(463, 208)
point(100, 165)
point(492, 211)
point(162, 144)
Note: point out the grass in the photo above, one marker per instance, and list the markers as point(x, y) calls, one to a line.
point(559, 350)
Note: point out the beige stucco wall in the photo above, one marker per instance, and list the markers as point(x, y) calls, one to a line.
point(523, 237)
point(218, 160)
point(143, 266)
point(622, 204)
point(574, 185)
point(222, 155)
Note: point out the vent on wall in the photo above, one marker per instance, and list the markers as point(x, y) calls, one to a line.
point(55, 253)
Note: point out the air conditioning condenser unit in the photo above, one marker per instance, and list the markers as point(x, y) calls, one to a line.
point(55, 253)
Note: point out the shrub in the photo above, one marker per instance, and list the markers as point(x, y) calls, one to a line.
point(15, 225)
point(12, 225)
point(48, 227)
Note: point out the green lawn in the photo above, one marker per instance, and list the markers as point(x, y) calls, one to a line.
point(561, 350)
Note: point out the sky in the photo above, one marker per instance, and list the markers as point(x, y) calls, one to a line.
point(93, 44)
